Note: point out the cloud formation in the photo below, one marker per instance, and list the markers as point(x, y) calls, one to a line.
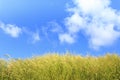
point(35, 37)
point(13, 30)
point(66, 38)
point(96, 19)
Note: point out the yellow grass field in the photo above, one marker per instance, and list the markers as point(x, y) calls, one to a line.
point(61, 67)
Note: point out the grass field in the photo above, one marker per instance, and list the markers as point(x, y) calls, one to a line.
point(61, 67)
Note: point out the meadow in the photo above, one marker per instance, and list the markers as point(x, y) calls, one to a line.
point(61, 67)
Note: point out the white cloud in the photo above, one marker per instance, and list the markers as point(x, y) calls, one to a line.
point(15, 31)
point(35, 37)
point(97, 19)
point(91, 7)
point(74, 23)
point(66, 38)
point(12, 30)
point(101, 36)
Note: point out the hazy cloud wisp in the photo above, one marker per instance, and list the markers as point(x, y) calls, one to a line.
point(35, 37)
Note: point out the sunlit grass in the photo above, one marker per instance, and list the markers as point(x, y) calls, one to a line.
point(61, 67)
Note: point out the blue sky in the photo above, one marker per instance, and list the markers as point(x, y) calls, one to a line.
point(35, 27)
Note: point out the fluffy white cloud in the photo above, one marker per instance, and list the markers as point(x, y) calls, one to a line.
point(12, 30)
point(15, 31)
point(97, 19)
point(66, 38)
point(74, 23)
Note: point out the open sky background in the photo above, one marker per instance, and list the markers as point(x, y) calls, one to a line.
point(35, 27)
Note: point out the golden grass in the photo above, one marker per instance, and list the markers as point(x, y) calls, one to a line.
point(61, 67)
